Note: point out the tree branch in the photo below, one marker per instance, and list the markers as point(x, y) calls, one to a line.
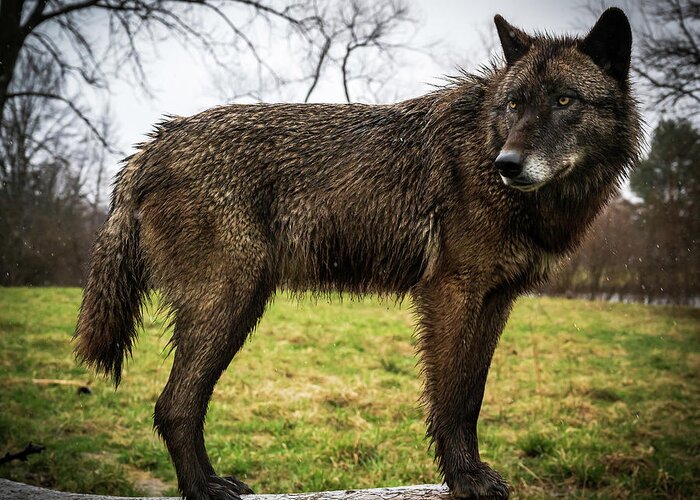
point(73, 107)
point(316, 75)
point(67, 9)
point(35, 17)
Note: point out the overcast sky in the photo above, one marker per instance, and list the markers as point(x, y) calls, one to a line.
point(183, 85)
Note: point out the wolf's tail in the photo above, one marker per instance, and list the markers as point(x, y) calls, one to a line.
point(111, 308)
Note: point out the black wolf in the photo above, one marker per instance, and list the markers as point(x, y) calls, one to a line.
point(463, 198)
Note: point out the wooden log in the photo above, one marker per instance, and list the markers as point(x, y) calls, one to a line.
point(10, 490)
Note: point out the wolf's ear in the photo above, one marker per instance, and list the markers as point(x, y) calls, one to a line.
point(515, 42)
point(609, 43)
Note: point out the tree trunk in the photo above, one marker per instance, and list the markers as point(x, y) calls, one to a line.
point(11, 40)
point(9, 490)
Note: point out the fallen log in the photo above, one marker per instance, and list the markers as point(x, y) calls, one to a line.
point(10, 490)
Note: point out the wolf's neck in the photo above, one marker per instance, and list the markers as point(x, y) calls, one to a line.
point(562, 215)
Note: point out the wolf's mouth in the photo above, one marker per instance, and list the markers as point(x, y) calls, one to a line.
point(525, 186)
point(522, 186)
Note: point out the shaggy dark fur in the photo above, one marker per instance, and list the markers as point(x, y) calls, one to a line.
point(222, 208)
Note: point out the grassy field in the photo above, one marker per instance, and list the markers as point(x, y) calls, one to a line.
point(584, 399)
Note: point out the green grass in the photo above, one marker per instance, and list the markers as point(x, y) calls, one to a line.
point(584, 399)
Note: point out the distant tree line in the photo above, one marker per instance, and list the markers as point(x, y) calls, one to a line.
point(51, 172)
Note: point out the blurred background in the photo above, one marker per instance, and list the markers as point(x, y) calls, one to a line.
point(82, 81)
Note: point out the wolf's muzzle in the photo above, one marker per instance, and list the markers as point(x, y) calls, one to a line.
point(509, 163)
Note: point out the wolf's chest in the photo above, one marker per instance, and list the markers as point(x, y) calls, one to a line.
point(525, 264)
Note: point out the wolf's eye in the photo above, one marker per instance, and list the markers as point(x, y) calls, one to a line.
point(512, 105)
point(564, 101)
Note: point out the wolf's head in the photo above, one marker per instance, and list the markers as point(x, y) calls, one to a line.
point(562, 105)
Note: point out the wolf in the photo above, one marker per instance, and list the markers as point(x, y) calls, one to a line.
point(463, 199)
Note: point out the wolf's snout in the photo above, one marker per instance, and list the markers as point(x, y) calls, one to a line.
point(509, 163)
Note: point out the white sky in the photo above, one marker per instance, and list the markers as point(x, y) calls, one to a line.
point(183, 85)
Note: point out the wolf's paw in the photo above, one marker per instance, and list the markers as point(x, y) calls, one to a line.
point(227, 488)
point(217, 488)
point(239, 486)
point(481, 482)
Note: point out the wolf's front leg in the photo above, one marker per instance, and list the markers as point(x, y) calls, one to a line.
point(459, 332)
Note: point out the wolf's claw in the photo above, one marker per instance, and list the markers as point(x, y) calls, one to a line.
point(239, 486)
point(482, 482)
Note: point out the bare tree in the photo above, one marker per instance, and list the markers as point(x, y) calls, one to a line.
point(360, 27)
point(355, 45)
point(669, 52)
point(63, 33)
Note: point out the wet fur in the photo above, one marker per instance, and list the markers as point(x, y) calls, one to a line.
point(220, 209)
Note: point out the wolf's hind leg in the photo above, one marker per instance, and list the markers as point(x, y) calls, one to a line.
point(209, 331)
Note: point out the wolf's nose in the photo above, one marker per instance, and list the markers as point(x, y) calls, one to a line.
point(509, 163)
